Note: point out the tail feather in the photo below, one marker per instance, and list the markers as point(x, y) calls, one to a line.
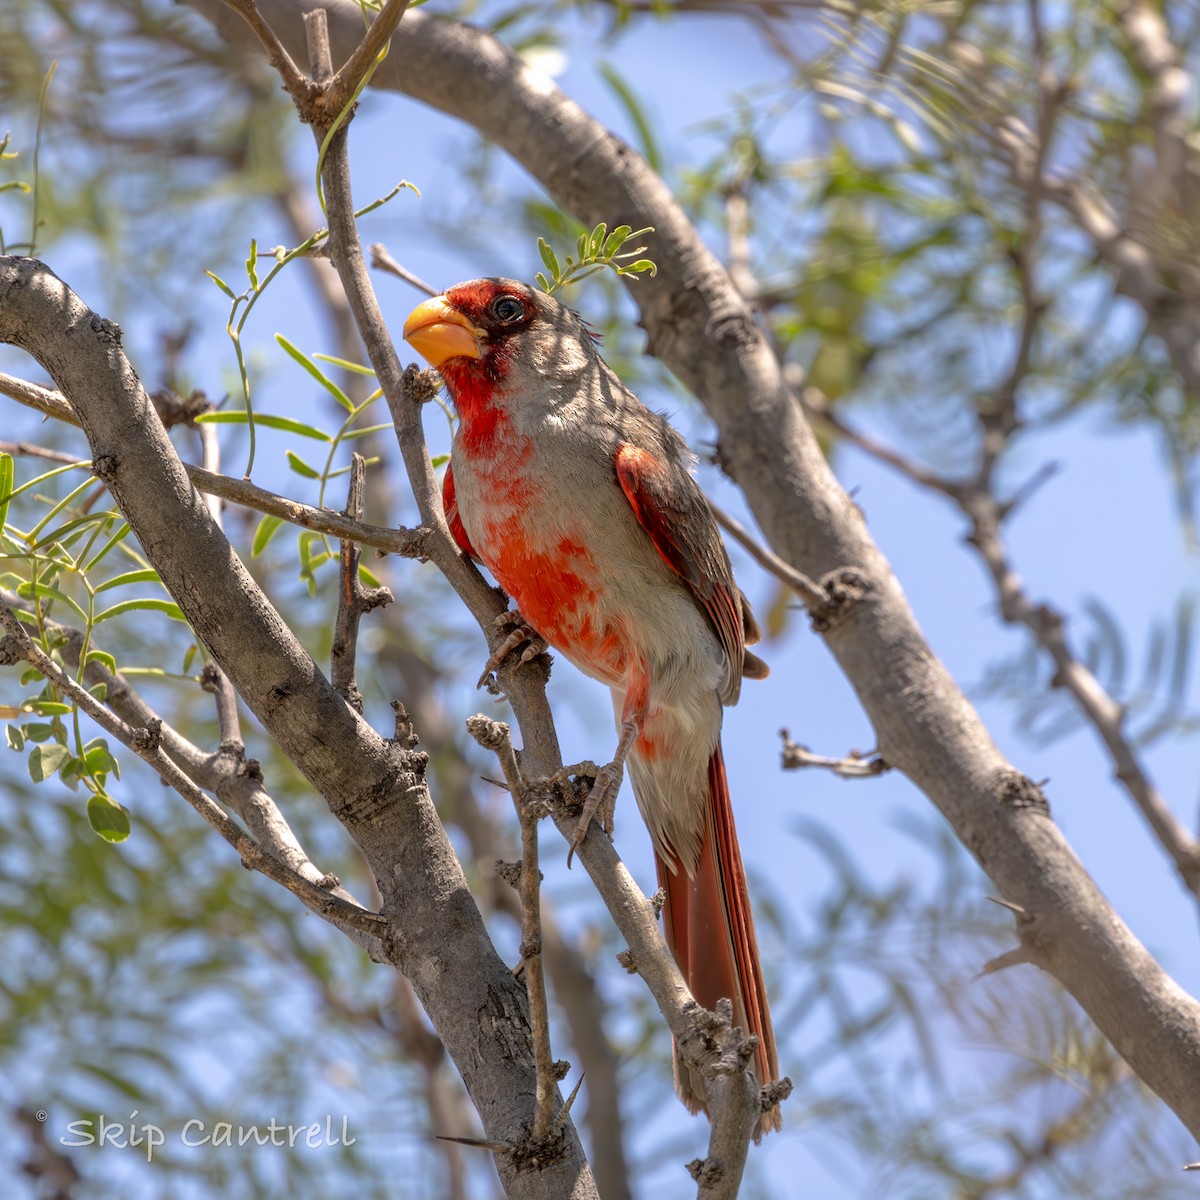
point(710, 931)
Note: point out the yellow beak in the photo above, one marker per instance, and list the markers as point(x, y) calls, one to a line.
point(438, 332)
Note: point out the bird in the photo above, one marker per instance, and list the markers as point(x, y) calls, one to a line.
point(581, 503)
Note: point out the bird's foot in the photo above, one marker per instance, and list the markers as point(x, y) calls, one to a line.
point(521, 634)
point(601, 801)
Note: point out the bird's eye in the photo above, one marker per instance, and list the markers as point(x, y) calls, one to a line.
point(507, 309)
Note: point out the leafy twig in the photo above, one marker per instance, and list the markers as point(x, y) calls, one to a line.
point(594, 252)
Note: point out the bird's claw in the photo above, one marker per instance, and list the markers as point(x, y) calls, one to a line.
point(601, 801)
point(521, 634)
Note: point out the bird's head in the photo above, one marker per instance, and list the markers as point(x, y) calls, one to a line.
point(498, 333)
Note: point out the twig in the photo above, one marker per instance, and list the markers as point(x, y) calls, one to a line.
point(217, 682)
point(818, 408)
point(1150, 38)
point(353, 598)
point(1016, 957)
point(381, 260)
point(737, 232)
point(814, 597)
point(145, 744)
point(299, 86)
point(495, 736)
point(32, 451)
point(52, 403)
point(854, 766)
point(734, 1104)
point(408, 543)
point(340, 89)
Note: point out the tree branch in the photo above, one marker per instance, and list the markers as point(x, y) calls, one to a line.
point(354, 600)
point(495, 736)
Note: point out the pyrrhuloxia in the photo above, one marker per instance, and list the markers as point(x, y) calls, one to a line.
point(580, 502)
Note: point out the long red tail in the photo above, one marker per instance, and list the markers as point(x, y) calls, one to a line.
point(710, 930)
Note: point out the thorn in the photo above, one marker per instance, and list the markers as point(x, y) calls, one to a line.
point(1011, 958)
point(498, 782)
point(481, 1143)
point(566, 1108)
point(1013, 908)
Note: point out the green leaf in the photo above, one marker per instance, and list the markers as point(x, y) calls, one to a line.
point(115, 540)
point(542, 281)
point(189, 657)
point(597, 239)
point(301, 467)
point(262, 535)
point(145, 576)
point(73, 528)
point(647, 142)
point(38, 731)
point(71, 771)
point(549, 258)
point(102, 657)
point(99, 761)
point(108, 819)
point(149, 603)
point(642, 265)
point(368, 577)
point(316, 372)
point(49, 708)
point(44, 761)
point(45, 592)
point(15, 736)
point(252, 264)
point(439, 460)
point(304, 548)
point(6, 486)
point(100, 691)
point(366, 431)
point(345, 364)
point(268, 419)
point(221, 284)
point(616, 240)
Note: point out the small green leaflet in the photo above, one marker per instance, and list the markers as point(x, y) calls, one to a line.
point(267, 419)
point(108, 819)
point(152, 603)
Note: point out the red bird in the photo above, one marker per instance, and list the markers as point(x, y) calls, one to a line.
point(580, 502)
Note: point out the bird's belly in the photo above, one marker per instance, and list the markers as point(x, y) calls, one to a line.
point(583, 572)
point(560, 591)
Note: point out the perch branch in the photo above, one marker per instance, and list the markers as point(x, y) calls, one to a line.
point(495, 736)
point(353, 598)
